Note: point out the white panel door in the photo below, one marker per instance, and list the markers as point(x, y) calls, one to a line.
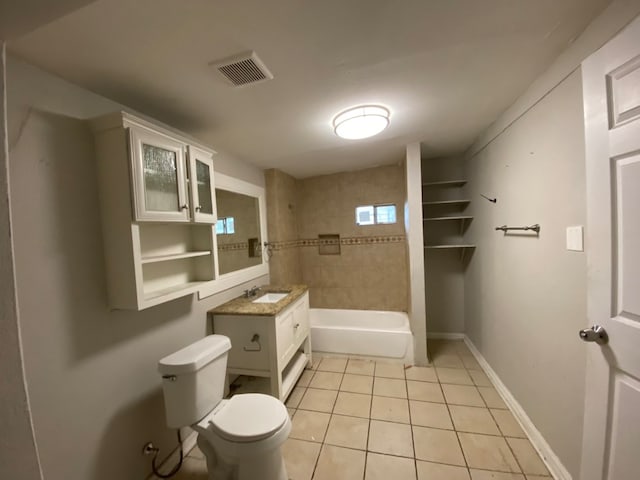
point(611, 81)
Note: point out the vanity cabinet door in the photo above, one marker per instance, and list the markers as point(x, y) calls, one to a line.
point(158, 177)
point(284, 336)
point(201, 181)
point(301, 318)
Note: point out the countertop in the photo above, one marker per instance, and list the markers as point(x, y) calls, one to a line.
point(244, 306)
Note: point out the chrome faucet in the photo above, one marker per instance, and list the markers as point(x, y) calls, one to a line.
point(251, 292)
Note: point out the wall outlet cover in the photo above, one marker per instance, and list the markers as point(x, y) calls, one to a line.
point(575, 238)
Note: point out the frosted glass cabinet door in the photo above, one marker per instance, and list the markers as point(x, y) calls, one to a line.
point(202, 185)
point(159, 180)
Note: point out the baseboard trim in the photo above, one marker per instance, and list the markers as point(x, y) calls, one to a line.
point(551, 460)
point(445, 336)
point(187, 445)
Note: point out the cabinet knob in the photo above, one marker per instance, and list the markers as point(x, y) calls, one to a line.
point(184, 207)
point(198, 208)
point(296, 325)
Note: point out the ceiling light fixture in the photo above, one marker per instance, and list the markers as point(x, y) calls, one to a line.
point(361, 122)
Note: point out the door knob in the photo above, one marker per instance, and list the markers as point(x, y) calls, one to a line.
point(594, 334)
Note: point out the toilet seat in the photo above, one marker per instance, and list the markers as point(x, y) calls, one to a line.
point(248, 417)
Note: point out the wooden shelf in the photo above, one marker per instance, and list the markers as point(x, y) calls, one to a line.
point(456, 217)
point(174, 256)
point(169, 293)
point(447, 202)
point(448, 183)
point(449, 246)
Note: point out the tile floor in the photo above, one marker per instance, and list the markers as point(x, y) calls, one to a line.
point(355, 419)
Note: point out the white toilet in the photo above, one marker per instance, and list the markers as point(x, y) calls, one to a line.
point(240, 437)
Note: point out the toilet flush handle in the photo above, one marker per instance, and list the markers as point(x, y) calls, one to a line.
point(171, 378)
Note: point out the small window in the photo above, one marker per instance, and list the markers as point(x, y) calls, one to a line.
point(375, 214)
point(225, 226)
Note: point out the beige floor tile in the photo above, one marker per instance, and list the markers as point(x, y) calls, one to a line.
point(439, 347)
point(434, 445)
point(196, 453)
point(438, 471)
point(538, 477)
point(295, 396)
point(487, 475)
point(291, 412)
point(309, 426)
point(389, 370)
point(456, 376)
point(473, 419)
point(425, 391)
point(463, 350)
point(318, 400)
point(507, 423)
point(328, 364)
point(492, 397)
point(488, 452)
point(357, 383)
point(448, 360)
point(193, 469)
point(300, 458)
point(390, 438)
point(354, 404)
point(470, 362)
point(349, 432)
point(427, 414)
point(527, 456)
point(384, 467)
point(389, 387)
point(462, 395)
point(422, 374)
point(360, 367)
point(337, 463)
point(480, 378)
point(326, 380)
point(390, 409)
point(305, 378)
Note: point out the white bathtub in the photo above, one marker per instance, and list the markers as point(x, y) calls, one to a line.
point(362, 333)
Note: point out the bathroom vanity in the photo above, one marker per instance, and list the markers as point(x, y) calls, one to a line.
point(269, 335)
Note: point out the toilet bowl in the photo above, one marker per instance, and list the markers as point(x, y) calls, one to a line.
point(241, 437)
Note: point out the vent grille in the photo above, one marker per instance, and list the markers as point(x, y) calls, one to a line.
point(243, 69)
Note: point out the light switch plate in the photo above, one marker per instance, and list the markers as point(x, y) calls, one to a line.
point(575, 238)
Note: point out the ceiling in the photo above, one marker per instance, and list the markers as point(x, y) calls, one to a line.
point(445, 69)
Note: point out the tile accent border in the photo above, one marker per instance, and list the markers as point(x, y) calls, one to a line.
point(225, 247)
point(551, 460)
point(345, 241)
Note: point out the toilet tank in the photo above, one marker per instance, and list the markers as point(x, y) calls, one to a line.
point(193, 380)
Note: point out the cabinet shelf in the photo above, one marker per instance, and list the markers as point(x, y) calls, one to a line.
point(451, 217)
point(448, 183)
point(447, 202)
point(448, 246)
point(169, 293)
point(175, 256)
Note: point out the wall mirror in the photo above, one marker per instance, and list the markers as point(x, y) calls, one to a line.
point(240, 233)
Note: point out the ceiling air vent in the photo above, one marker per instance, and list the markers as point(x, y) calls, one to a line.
point(243, 69)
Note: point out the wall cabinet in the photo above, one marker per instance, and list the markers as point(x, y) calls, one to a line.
point(277, 347)
point(157, 206)
point(171, 180)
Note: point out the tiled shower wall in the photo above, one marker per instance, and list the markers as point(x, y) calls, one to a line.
point(370, 273)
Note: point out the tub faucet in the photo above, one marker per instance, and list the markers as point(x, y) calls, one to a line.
point(251, 292)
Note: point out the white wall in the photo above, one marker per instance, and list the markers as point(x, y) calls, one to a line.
point(18, 452)
point(415, 252)
point(525, 298)
point(92, 379)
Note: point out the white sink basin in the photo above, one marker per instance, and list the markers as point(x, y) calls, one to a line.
point(270, 298)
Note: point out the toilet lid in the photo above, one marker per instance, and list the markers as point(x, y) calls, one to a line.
point(249, 417)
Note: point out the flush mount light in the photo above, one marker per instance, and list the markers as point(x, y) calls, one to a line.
point(361, 122)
